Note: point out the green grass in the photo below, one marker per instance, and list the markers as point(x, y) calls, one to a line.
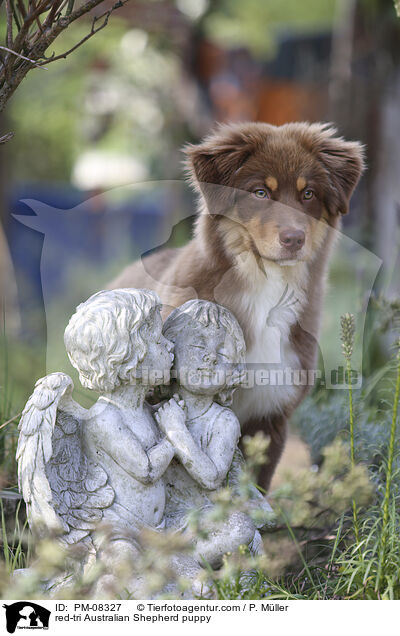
point(15, 544)
point(360, 557)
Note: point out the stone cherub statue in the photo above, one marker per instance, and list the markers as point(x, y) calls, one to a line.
point(209, 351)
point(78, 467)
point(119, 463)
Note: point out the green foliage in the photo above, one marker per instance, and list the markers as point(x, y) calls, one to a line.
point(14, 541)
point(366, 557)
point(47, 135)
point(119, 93)
point(19, 369)
point(337, 527)
point(254, 24)
point(8, 433)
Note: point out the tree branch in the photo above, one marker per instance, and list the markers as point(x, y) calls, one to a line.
point(18, 414)
point(93, 31)
point(22, 9)
point(52, 13)
point(15, 15)
point(4, 48)
point(70, 7)
point(30, 44)
point(6, 137)
point(9, 24)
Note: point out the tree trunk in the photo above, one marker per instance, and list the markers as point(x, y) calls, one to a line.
point(386, 190)
point(8, 287)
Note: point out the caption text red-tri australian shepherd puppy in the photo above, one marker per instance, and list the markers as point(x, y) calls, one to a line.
point(270, 202)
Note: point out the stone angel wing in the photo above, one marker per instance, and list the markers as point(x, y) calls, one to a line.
point(63, 490)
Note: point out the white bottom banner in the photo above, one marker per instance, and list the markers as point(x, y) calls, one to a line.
point(175, 617)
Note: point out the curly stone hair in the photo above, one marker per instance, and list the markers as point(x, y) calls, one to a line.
point(104, 338)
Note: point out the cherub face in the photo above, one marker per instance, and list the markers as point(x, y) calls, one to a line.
point(155, 366)
point(204, 358)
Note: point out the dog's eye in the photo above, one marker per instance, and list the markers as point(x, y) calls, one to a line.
point(261, 193)
point(308, 194)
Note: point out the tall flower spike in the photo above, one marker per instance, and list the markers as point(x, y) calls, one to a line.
point(347, 336)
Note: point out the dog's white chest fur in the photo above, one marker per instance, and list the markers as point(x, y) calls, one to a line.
point(272, 309)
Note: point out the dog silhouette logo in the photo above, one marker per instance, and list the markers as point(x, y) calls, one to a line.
point(26, 615)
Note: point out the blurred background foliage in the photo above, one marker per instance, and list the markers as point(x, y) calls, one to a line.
point(99, 134)
point(149, 82)
point(257, 25)
point(115, 94)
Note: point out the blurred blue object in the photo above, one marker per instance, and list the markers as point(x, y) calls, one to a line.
point(53, 228)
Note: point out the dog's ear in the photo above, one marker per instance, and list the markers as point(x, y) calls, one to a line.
point(213, 164)
point(344, 163)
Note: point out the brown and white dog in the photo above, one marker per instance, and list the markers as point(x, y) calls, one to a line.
point(270, 202)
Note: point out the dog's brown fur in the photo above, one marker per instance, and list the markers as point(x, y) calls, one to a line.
point(239, 258)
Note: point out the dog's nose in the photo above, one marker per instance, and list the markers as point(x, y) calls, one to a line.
point(292, 239)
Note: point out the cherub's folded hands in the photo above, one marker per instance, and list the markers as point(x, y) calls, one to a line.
point(171, 416)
